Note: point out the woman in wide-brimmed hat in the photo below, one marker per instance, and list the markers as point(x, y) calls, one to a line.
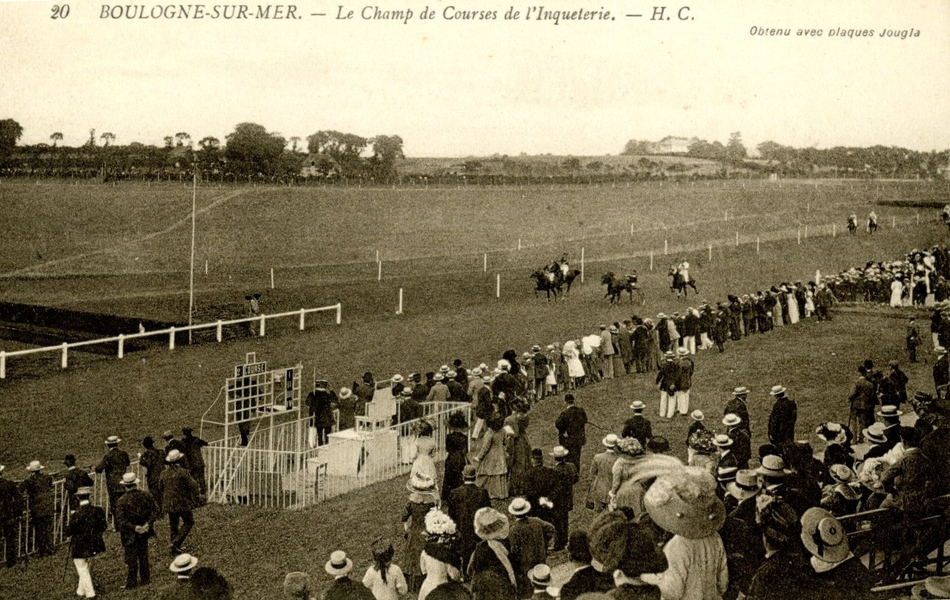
point(627, 550)
point(422, 498)
point(491, 569)
point(838, 573)
point(840, 497)
point(624, 492)
point(440, 559)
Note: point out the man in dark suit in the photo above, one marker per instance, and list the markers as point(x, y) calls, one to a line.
point(182, 566)
point(86, 526)
point(344, 588)
point(862, 401)
point(11, 509)
point(783, 417)
point(320, 407)
point(737, 406)
point(135, 512)
point(179, 499)
point(571, 427)
point(540, 485)
point(638, 426)
point(38, 488)
point(563, 497)
point(196, 462)
point(74, 479)
point(666, 380)
point(464, 502)
point(153, 460)
point(114, 463)
point(741, 442)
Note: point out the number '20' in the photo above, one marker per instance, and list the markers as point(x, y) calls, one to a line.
point(60, 11)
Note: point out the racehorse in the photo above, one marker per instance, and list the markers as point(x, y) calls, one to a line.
point(568, 279)
point(852, 225)
point(679, 283)
point(872, 223)
point(546, 282)
point(616, 286)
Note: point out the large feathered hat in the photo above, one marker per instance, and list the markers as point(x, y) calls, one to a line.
point(683, 499)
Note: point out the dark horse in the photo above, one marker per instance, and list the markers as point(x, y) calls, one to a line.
point(616, 286)
point(852, 225)
point(546, 282)
point(568, 280)
point(679, 285)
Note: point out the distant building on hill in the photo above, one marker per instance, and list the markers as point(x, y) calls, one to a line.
point(671, 145)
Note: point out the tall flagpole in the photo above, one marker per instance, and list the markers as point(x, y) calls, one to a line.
point(191, 286)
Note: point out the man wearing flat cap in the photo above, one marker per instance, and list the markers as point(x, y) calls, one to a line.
point(114, 463)
point(135, 512)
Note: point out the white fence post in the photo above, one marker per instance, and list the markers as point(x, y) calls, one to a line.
point(379, 271)
point(3, 364)
point(303, 318)
point(666, 247)
point(737, 239)
point(651, 261)
point(710, 252)
point(171, 338)
point(582, 265)
point(272, 278)
point(64, 362)
point(121, 346)
point(799, 237)
point(263, 324)
point(339, 313)
point(399, 312)
point(218, 330)
point(485, 263)
point(497, 285)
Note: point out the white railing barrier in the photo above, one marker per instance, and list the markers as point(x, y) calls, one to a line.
point(170, 332)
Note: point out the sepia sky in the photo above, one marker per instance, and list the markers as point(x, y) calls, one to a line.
point(457, 88)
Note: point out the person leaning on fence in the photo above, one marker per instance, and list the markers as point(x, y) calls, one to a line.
point(38, 488)
point(73, 479)
point(114, 464)
point(179, 499)
point(86, 526)
point(11, 510)
point(135, 512)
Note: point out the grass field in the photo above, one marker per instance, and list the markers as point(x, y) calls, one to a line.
point(327, 254)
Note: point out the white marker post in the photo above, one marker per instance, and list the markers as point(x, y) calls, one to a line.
point(582, 265)
point(756, 245)
point(399, 310)
point(651, 261)
point(206, 267)
point(519, 244)
point(737, 239)
point(272, 278)
point(379, 271)
point(893, 222)
point(710, 252)
point(497, 285)
point(666, 247)
point(799, 237)
point(485, 263)
point(631, 228)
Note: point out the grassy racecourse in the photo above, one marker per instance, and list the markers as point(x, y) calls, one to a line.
point(327, 253)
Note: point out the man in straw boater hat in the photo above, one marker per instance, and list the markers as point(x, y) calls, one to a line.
point(38, 488)
point(838, 573)
point(741, 442)
point(135, 512)
point(892, 423)
point(529, 538)
point(782, 418)
point(183, 567)
point(490, 568)
point(344, 588)
point(464, 502)
point(11, 509)
point(114, 464)
point(86, 526)
point(696, 426)
point(638, 426)
point(737, 406)
point(179, 498)
point(684, 381)
point(682, 500)
point(540, 578)
point(601, 474)
point(723, 444)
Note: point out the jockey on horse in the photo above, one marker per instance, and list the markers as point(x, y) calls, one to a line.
point(853, 223)
point(872, 222)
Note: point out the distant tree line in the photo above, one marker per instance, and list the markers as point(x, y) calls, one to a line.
point(876, 161)
point(249, 153)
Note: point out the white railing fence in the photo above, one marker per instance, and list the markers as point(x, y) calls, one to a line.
point(257, 325)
